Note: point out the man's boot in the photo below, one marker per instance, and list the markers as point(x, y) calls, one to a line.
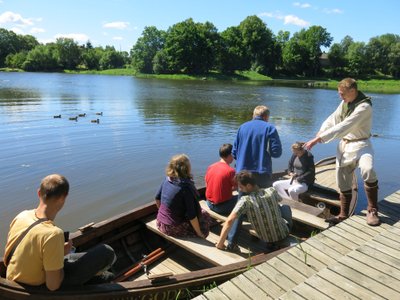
point(345, 199)
point(371, 190)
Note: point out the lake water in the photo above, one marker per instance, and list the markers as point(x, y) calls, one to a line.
point(118, 164)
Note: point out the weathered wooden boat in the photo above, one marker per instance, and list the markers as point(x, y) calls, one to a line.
point(151, 265)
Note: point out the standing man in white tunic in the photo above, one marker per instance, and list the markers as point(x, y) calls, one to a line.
point(351, 122)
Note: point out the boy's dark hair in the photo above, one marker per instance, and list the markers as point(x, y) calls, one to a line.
point(245, 177)
point(225, 150)
point(53, 186)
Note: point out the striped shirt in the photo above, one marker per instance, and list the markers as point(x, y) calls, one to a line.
point(263, 212)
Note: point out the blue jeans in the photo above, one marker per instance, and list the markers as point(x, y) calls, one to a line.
point(80, 267)
point(223, 208)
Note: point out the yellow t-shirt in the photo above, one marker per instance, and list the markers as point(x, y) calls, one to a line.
point(42, 249)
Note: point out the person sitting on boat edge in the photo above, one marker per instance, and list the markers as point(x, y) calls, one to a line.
point(301, 168)
point(179, 212)
point(36, 253)
point(271, 223)
point(220, 183)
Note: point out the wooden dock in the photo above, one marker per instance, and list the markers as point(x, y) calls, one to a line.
point(348, 261)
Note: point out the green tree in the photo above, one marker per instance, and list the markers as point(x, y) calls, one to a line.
point(91, 56)
point(8, 44)
point(258, 44)
point(357, 60)
point(112, 59)
point(394, 60)
point(42, 58)
point(379, 49)
point(191, 47)
point(231, 56)
point(337, 56)
point(68, 53)
point(307, 46)
point(16, 60)
point(146, 48)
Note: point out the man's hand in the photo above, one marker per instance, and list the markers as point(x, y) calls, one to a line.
point(67, 247)
point(311, 143)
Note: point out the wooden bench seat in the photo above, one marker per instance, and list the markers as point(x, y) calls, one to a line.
point(301, 212)
point(204, 248)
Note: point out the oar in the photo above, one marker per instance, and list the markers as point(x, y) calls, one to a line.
point(152, 257)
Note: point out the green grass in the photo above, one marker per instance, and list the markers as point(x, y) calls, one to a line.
point(373, 85)
point(385, 86)
point(117, 72)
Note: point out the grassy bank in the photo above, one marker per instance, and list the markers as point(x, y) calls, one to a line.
point(385, 86)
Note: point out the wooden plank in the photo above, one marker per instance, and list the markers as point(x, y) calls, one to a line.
point(384, 241)
point(388, 281)
point(364, 227)
point(351, 236)
point(384, 249)
point(310, 293)
point(306, 259)
point(373, 262)
point(276, 276)
point(232, 291)
point(328, 288)
point(317, 254)
point(321, 247)
point(359, 277)
point(248, 287)
point(348, 286)
point(312, 210)
point(362, 220)
point(340, 240)
point(292, 296)
point(271, 289)
point(364, 235)
point(287, 270)
point(204, 248)
point(333, 243)
point(380, 256)
point(295, 263)
point(298, 215)
point(215, 294)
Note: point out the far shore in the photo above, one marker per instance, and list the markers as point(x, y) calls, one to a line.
point(373, 85)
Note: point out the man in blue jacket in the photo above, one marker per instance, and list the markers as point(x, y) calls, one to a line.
point(257, 141)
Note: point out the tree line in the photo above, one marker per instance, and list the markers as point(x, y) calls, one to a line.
point(199, 48)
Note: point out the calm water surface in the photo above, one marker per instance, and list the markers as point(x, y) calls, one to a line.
point(118, 164)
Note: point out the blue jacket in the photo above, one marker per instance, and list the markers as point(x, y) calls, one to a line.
point(256, 142)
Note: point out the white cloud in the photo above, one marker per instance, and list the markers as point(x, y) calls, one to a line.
point(14, 18)
point(17, 30)
point(288, 19)
point(302, 5)
point(291, 19)
point(117, 25)
point(118, 38)
point(78, 37)
point(274, 15)
point(36, 30)
point(332, 11)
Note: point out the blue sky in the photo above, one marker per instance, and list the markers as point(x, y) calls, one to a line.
point(121, 22)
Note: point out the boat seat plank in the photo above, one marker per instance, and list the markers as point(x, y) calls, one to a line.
point(204, 248)
point(299, 214)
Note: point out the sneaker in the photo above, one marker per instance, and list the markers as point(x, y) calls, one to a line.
point(372, 218)
point(233, 248)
